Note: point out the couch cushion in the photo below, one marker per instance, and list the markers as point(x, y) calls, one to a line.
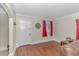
point(72, 49)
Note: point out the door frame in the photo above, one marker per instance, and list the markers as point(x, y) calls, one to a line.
point(12, 17)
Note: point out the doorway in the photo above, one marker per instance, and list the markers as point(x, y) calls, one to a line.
point(11, 16)
point(4, 32)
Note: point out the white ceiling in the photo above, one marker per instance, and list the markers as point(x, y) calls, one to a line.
point(46, 10)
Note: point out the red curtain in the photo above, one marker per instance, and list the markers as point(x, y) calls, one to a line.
point(44, 32)
point(77, 29)
point(51, 28)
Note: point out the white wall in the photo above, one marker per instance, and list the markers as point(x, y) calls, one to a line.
point(23, 30)
point(65, 27)
point(4, 31)
point(30, 34)
point(37, 33)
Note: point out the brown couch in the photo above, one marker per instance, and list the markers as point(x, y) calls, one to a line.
point(71, 49)
point(51, 48)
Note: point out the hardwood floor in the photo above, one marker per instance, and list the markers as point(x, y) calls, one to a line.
point(43, 49)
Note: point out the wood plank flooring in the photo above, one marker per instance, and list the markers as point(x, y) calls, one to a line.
point(43, 49)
